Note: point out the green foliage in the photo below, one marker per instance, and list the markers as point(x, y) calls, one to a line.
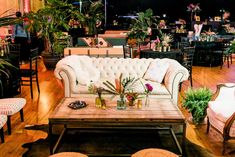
point(196, 101)
point(51, 20)
point(140, 26)
point(4, 63)
point(231, 49)
point(90, 15)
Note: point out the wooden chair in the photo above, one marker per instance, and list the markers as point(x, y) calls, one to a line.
point(31, 74)
point(10, 106)
point(187, 62)
point(153, 152)
point(224, 52)
point(226, 56)
point(221, 112)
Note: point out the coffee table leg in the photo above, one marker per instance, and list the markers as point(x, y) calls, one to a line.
point(50, 138)
point(184, 140)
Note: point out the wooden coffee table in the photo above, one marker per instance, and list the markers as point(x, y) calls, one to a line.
point(161, 114)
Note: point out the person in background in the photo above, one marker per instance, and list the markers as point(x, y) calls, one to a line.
point(20, 35)
point(225, 25)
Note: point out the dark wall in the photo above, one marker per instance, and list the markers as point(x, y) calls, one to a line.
point(173, 8)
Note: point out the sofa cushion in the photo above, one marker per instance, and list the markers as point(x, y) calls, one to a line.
point(156, 71)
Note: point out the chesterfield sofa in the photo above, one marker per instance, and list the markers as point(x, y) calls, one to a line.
point(78, 72)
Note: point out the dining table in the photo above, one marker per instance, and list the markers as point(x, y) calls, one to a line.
point(175, 54)
point(207, 53)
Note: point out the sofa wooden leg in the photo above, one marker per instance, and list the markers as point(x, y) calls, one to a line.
point(22, 115)
point(9, 124)
point(2, 135)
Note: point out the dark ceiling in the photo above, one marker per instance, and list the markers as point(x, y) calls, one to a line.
point(173, 8)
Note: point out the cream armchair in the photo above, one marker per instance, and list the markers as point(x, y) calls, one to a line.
point(221, 112)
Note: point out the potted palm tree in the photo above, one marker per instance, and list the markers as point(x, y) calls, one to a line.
point(50, 22)
point(140, 29)
point(91, 17)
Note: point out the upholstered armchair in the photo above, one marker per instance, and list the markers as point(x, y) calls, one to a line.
point(221, 112)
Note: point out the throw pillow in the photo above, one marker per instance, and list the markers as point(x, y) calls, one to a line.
point(156, 71)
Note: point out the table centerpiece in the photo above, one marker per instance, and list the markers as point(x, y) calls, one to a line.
point(122, 85)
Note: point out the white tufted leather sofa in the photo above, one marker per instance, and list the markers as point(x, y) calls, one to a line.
point(111, 68)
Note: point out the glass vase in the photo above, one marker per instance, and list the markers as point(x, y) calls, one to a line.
point(146, 104)
point(121, 103)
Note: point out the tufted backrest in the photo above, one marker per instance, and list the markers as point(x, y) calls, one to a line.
point(113, 67)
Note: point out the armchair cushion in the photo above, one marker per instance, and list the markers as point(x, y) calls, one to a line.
point(219, 112)
point(3, 120)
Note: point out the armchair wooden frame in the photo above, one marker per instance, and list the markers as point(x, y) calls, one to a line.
point(228, 123)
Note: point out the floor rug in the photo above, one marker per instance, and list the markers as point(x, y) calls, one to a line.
point(116, 142)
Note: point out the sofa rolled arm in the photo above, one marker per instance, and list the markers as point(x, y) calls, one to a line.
point(66, 74)
point(176, 73)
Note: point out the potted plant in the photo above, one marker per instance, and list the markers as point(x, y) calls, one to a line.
point(141, 27)
point(196, 102)
point(50, 22)
point(91, 17)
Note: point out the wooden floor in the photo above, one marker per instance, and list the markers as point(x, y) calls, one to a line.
point(37, 111)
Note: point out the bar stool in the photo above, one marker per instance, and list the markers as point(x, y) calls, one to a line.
point(68, 154)
point(10, 106)
point(3, 120)
point(153, 152)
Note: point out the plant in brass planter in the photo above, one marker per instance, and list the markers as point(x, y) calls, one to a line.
point(120, 88)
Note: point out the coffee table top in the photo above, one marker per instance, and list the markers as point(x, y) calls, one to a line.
point(160, 110)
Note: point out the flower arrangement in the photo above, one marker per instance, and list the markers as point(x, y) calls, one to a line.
point(122, 85)
point(166, 39)
point(193, 8)
point(132, 97)
point(162, 24)
point(157, 41)
point(148, 88)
